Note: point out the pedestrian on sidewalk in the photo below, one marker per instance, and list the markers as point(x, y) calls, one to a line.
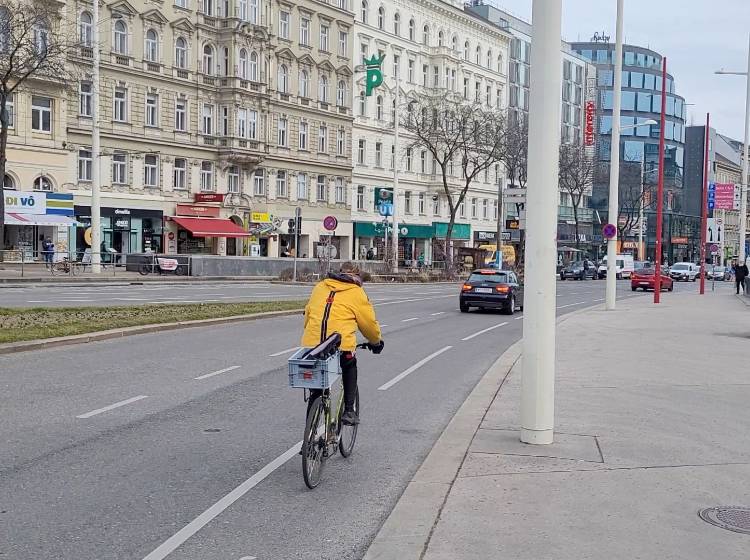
point(48, 252)
point(740, 273)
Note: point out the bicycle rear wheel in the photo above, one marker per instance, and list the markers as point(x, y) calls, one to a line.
point(348, 434)
point(314, 444)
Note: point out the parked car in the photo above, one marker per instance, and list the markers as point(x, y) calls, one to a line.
point(491, 288)
point(684, 271)
point(717, 272)
point(624, 266)
point(645, 278)
point(579, 270)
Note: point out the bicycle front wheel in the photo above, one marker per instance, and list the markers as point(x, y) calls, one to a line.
point(348, 434)
point(314, 444)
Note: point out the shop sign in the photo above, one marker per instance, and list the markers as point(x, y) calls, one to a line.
point(260, 217)
point(122, 223)
point(512, 224)
point(122, 212)
point(679, 241)
point(198, 211)
point(589, 130)
point(485, 235)
point(209, 197)
point(25, 203)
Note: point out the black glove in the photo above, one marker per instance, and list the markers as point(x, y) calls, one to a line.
point(377, 348)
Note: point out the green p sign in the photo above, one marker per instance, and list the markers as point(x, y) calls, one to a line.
point(374, 73)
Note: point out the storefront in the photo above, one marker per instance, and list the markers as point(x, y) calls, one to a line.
point(413, 240)
point(33, 217)
point(124, 230)
point(197, 229)
point(489, 237)
point(460, 237)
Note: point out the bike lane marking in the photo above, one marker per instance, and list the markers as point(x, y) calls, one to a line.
point(282, 352)
point(214, 373)
point(412, 369)
point(410, 319)
point(112, 406)
point(488, 329)
point(176, 540)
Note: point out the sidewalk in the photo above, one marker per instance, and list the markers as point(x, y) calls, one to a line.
point(652, 425)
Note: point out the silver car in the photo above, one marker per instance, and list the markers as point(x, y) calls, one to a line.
point(684, 271)
point(718, 273)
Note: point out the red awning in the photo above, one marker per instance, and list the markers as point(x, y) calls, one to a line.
point(210, 227)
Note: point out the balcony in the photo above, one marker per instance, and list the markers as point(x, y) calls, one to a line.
point(209, 81)
point(121, 59)
point(152, 67)
point(87, 52)
point(182, 74)
point(242, 151)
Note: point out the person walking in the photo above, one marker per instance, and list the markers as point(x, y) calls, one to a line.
point(48, 252)
point(740, 273)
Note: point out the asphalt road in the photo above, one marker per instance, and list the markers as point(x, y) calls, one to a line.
point(182, 444)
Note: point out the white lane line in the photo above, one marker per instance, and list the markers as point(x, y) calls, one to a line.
point(112, 406)
point(488, 329)
point(128, 299)
point(213, 373)
point(287, 351)
point(75, 299)
point(413, 299)
point(37, 301)
point(176, 540)
point(571, 304)
point(412, 369)
point(600, 299)
point(410, 319)
point(178, 302)
point(519, 318)
point(436, 314)
point(383, 326)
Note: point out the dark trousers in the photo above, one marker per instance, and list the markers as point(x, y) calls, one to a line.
point(739, 282)
point(349, 378)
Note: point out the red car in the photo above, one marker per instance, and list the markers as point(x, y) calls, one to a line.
point(644, 279)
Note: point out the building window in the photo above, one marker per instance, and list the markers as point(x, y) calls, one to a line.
point(208, 60)
point(420, 203)
point(180, 115)
point(252, 125)
point(341, 93)
point(484, 208)
point(284, 18)
point(323, 139)
point(254, 10)
point(152, 46)
point(408, 159)
point(361, 198)
point(243, 64)
point(208, 119)
point(304, 83)
point(301, 186)
point(343, 43)
point(151, 170)
point(441, 38)
point(462, 209)
point(378, 154)
point(207, 176)
point(253, 67)
point(282, 132)
point(180, 174)
point(324, 34)
point(303, 126)
point(361, 146)
point(340, 191)
point(363, 12)
point(466, 50)
point(119, 168)
point(180, 53)
point(393, 156)
point(341, 142)
point(304, 31)
point(86, 95)
point(426, 35)
point(259, 186)
point(121, 37)
point(381, 18)
point(42, 183)
point(410, 70)
point(407, 202)
point(473, 207)
point(152, 109)
point(85, 34)
point(84, 164)
point(283, 78)
point(494, 209)
point(423, 161)
point(10, 109)
point(281, 191)
point(242, 123)
point(379, 108)
point(411, 29)
point(41, 114)
point(323, 93)
point(436, 205)
point(436, 76)
point(362, 104)
point(321, 194)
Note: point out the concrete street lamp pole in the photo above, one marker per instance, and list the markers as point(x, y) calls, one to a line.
point(96, 230)
point(538, 379)
point(396, 165)
point(614, 167)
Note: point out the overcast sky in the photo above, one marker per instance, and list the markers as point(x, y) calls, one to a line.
point(697, 37)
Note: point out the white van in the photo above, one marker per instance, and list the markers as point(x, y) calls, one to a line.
point(625, 265)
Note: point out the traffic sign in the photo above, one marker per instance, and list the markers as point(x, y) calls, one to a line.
point(711, 196)
point(714, 249)
point(385, 209)
point(330, 223)
point(609, 231)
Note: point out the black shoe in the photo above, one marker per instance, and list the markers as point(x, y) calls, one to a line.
point(350, 417)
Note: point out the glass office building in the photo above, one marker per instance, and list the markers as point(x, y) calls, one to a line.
point(639, 145)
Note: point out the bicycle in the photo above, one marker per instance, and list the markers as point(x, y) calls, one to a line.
point(66, 266)
point(324, 434)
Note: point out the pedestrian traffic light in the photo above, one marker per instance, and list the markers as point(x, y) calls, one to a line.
point(291, 226)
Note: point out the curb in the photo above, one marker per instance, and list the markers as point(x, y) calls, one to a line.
point(408, 529)
point(15, 347)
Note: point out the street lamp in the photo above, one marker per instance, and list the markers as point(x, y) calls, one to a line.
point(744, 188)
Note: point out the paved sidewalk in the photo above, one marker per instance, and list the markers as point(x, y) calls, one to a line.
point(653, 424)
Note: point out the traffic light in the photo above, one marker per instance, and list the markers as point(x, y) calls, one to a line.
point(299, 224)
point(291, 226)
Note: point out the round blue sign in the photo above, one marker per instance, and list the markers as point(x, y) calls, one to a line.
point(609, 231)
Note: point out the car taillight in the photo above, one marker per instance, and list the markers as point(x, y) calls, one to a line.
point(502, 289)
point(466, 287)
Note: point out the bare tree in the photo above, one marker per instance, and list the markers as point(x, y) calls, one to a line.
point(632, 191)
point(514, 157)
point(464, 140)
point(577, 168)
point(34, 47)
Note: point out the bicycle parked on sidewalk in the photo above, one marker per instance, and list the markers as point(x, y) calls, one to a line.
point(65, 266)
point(325, 433)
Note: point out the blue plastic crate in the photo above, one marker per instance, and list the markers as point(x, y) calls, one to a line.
point(313, 374)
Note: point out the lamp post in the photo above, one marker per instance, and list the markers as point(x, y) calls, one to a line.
point(396, 165)
point(744, 188)
point(96, 210)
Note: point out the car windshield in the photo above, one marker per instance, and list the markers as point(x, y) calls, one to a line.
point(577, 264)
point(681, 266)
point(718, 269)
point(495, 277)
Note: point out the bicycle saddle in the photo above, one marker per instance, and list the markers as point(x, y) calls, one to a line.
point(326, 348)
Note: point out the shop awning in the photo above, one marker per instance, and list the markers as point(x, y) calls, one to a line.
point(210, 227)
point(13, 219)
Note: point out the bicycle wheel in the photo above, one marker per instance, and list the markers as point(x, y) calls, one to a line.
point(314, 444)
point(348, 434)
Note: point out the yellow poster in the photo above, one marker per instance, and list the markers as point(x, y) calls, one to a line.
point(260, 218)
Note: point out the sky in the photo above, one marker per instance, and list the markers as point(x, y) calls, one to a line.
point(697, 37)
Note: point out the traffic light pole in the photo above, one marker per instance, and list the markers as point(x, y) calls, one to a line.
point(297, 224)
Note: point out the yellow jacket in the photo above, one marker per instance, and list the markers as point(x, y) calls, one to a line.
point(350, 309)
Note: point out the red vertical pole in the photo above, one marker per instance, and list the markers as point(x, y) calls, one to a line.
point(660, 188)
point(704, 205)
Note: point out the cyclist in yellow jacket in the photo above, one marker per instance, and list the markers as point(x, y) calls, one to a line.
point(339, 304)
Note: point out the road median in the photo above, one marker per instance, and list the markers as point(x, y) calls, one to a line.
point(35, 328)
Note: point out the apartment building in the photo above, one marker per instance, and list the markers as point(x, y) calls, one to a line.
point(432, 45)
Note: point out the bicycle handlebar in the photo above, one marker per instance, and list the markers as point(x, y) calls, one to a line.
point(365, 346)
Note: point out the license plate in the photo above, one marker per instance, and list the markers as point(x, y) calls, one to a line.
point(644, 283)
point(483, 290)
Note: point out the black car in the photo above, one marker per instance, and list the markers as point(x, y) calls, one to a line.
point(495, 289)
point(579, 270)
